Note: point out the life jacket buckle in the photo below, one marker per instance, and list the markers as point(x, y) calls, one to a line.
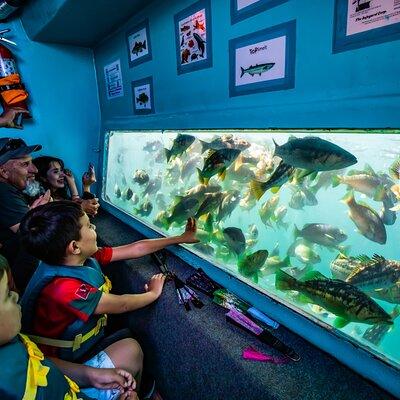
point(77, 342)
point(34, 351)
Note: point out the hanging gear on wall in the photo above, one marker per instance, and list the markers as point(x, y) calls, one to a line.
point(12, 91)
point(7, 7)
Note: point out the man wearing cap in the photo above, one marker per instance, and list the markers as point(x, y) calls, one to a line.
point(16, 169)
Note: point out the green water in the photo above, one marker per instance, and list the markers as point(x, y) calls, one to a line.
point(125, 155)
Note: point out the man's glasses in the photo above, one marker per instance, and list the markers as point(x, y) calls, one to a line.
point(12, 144)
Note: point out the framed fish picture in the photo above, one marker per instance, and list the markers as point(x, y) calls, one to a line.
point(142, 96)
point(193, 37)
point(263, 61)
point(242, 9)
point(138, 44)
point(360, 23)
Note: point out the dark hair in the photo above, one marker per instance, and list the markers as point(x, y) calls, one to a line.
point(47, 230)
point(42, 164)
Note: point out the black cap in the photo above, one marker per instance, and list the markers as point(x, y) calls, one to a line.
point(15, 148)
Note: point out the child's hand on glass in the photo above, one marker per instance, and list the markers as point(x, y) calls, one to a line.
point(189, 236)
point(155, 285)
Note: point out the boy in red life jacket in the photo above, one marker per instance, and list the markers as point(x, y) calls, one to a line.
point(27, 374)
point(66, 303)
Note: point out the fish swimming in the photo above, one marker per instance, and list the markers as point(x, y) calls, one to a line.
point(225, 142)
point(210, 203)
point(145, 209)
point(150, 147)
point(369, 185)
point(142, 98)
point(180, 144)
point(298, 200)
point(138, 47)
point(387, 215)
point(181, 211)
point(304, 252)
point(228, 204)
point(235, 240)
point(314, 154)
point(200, 43)
point(153, 186)
point(256, 69)
point(366, 219)
point(346, 301)
point(342, 266)
point(279, 177)
point(140, 176)
point(216, 163)
point(267, 210)
point(322, 234)
point(250, 265)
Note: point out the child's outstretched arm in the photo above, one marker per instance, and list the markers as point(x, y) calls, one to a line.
point(147, 246)
point(118, 304)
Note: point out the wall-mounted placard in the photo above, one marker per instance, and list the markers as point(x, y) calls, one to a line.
point(241, 9)
point(142, 96)
point(193, 37)
point(263, 61)
point(113, 78)
point(360, 23)
point(138, 44)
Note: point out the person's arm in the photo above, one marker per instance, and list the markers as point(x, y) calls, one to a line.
point(88, 178)
point(117, 304)
point(101, 378)
point(7, 118)
point(147, 246)
point(69, 177)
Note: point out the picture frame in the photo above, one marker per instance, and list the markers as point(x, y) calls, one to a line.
point(114, 83)
point(360, 23)
point(138, 44)
point(242, 9)
point(143, 96)
point(193, 37)
point(263, 61)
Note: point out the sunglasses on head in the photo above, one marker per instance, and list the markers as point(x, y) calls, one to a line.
point(12, 144)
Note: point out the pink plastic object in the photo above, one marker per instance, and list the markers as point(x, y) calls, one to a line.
point(249, 353)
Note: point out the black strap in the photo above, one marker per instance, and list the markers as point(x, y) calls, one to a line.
point(3, 88)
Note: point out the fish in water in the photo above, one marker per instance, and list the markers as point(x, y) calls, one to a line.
point(180, 144)
point(142, 98)
point(138, 47)
point(375, 273)
point(150, 147)
point(346, 301)
point(249, 265)
point(185, 56)
point(394, 170)
point(298, 200)
point(267, 210)
point(369, 185)
point(229, 203)
point(256, 69)
point(387, 215)
point(200, 43)
point(279, 214)
point(253, 231)
point(198, 25)
point(342, 266)
point(153, 186)
point(210, 203)
point(314, 154)
point(117, 191)
point(127, 194)
point(145, 209)
point(241, 173)
point(140, 176)
point(304, 252)
point(235, 240)
point(322, 234)
point(225, 142)
point(181, 211)
point(366, 219)
point(216, 163)
point(189, 167)
point(280, 176)
point(204, 248)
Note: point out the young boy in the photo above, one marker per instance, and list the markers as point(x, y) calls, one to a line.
point(27, 374)
point(66, 303)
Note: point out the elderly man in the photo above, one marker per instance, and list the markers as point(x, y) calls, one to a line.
point(16, 169)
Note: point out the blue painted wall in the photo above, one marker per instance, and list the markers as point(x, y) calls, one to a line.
point(358, 88)
point(61, 81)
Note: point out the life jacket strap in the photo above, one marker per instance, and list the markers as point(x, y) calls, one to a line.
point(71, 344)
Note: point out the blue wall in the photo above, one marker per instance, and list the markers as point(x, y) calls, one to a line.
point(358, 88)
point(63, 100)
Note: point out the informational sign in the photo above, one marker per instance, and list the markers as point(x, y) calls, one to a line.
point(241, 9)
point(263, 60)
point(193, 37)
point(138, 44)
point(113, 78)
point(142, 96)
point(360, 23)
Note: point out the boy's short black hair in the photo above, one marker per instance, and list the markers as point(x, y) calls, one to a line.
point(47, 230)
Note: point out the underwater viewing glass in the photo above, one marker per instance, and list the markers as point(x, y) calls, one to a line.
point(307, 217)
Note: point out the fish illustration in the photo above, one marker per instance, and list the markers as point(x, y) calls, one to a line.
point(256, 69)
point(185, 28)
point(185, 56)
point(198, 25)
point(180, 144)
point(200, 43)
point(182, 40)
point(346, 301)
point(194, 56)
point(138, 47)
point(366, 219)
point(216, 163)
point(314, 154)
point(142, 98)
point(190, 43)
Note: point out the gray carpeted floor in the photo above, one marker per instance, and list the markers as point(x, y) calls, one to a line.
point(197, 355)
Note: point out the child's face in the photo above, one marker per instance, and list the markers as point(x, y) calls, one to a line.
point(88, 240)
point(10, 312)
point(55, 175)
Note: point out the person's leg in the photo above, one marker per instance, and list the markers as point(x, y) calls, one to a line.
point(128, 355)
